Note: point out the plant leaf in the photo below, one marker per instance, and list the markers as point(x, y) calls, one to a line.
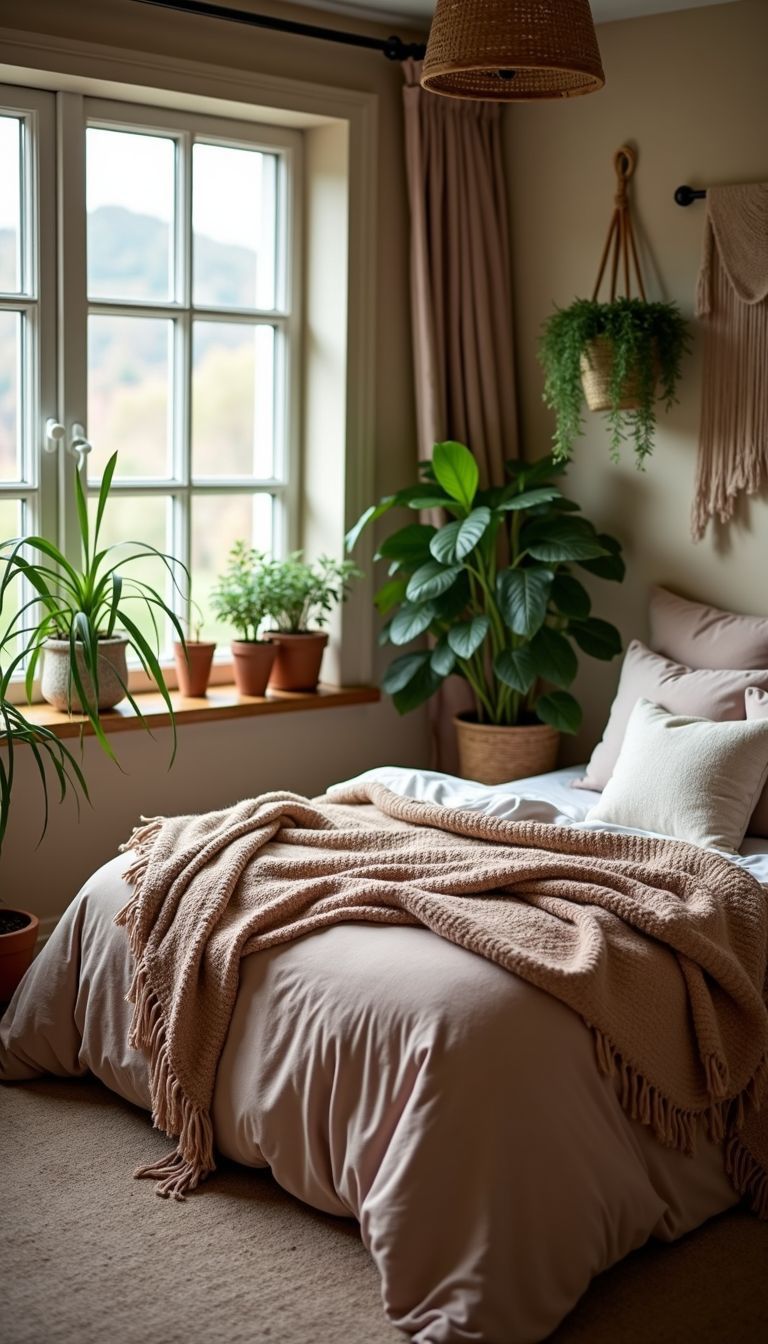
point(553, 657)
point(370, 516)
point(598, 638)
point(431, 580)
point(529, 499)
point(523, 595)
point(562, 538)
point(389, 595)
point(465, 639)
point(570, 597)
point(471, 531)
point(456, 470)
point(402, 671)
point(410, 622)
point(559, 710)
point(443, 544)
point(515, 668)
point(609, 566)
point(423, 685)
point(443, 659)
point(408, 547)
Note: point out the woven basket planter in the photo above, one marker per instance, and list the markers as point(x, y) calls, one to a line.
point(596, 374)
point(493, 755)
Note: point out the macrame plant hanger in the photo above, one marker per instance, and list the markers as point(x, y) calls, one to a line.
point(621, 234)
point(621, 248)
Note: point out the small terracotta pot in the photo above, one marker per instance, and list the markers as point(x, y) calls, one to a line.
point(297, 665)
point(252, 664)
point(193, 670)
point(16, 952)
point(57, 688)
point(495, 755)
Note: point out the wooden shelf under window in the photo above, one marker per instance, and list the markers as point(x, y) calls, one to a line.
point(221, 702)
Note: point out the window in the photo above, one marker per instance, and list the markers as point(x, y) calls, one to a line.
point(176, 341)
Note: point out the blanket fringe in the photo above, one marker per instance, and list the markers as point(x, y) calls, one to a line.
point(749, 1178)
point(140, 843)
point(172, 1111)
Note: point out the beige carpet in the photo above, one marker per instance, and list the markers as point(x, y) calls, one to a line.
point(89, 1256)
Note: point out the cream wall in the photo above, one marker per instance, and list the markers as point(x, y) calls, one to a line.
point(689, 89)
point(218, 764)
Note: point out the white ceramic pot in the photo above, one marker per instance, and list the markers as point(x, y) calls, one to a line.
point(57, 686)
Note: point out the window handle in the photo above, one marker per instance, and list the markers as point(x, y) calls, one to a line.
point(79, 445)
point(54, 433)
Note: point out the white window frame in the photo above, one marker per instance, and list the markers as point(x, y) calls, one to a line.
point(76, 113)
point(36, 489)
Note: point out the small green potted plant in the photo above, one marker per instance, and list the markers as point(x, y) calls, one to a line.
point(19, 928)
point(495, 590)
point(302, 596)
point(243, 597)
point(620, 357)
point(88, 615)
point(194, 659)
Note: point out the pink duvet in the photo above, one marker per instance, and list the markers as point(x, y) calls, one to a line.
point(386, 1075)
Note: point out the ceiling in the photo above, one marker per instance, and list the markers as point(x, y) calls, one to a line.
point(419, 11)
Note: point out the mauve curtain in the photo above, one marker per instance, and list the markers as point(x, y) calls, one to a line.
point(460, 299)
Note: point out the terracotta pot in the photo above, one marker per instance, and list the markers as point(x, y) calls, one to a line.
point(596, 374)
point(297, 665)
point(193, 670)
point(57, 688)
point(16, 952)
point(494, 755)
point(253, 664)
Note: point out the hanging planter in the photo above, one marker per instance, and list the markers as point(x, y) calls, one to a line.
point(619, 357)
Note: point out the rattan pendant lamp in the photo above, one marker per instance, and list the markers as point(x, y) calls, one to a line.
point(510, 51)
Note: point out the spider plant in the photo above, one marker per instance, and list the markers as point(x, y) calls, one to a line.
point(95, 601)
point(42, 742)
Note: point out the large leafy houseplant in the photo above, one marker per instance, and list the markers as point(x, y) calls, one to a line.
point(82, 607)
point(635, 346)
point(494, 586)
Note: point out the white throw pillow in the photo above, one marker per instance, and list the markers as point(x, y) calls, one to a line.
point(686, 777)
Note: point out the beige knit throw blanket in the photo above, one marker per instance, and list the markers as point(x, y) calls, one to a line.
point(732, 301)
point(659, 946)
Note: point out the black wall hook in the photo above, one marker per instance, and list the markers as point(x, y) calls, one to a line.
point(687, 195)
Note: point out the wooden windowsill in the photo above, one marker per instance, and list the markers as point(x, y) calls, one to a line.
point(221, 702)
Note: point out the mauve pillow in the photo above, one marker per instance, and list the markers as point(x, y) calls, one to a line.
point(704, 693)
point(756, 705)
point(705, 637)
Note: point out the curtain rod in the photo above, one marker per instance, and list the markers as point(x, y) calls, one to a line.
point(394, 48)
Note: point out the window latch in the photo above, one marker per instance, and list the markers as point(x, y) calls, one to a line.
point(54, 433)
point(79, 446)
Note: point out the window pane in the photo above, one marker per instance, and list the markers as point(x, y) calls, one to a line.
point(129, 395)
point(234, 204)
point(10, 205)
point(130, 202)
point(233, 400)
point(10, 398)
point(149, 519)
point(217, 522)
point(10, 527)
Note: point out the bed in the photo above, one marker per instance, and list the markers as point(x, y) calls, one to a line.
point(385, 1074)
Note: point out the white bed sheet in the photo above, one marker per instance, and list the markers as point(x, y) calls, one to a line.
point(549, 798)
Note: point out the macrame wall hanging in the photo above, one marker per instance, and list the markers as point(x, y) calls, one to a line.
point(732, 301)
